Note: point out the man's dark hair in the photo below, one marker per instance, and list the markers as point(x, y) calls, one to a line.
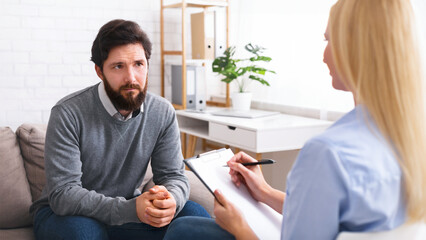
point(115, 33)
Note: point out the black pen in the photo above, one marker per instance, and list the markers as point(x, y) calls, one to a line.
point(260, 162)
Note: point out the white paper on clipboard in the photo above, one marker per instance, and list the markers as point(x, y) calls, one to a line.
point(209, 168)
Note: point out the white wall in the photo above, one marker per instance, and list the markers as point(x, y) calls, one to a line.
point(45, 50)
point(293, 33)
point(420, 12)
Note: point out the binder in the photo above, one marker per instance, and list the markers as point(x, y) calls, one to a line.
point(200, 88)
point(202, 34)
point(195, 78)
point(219, 32)
point(209, 168)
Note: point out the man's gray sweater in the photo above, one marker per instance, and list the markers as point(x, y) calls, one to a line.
point(95, 162)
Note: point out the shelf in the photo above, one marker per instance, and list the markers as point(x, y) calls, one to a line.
point(191, 62)
point(183, 5)
point(198, 4)
point(172, 52)
point(216, 104)
point(178, 107)
point(195, 127)
point(199, 131)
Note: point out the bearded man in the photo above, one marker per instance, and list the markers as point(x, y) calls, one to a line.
point(99, 143)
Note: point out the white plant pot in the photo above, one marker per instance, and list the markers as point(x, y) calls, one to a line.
point(241, 100)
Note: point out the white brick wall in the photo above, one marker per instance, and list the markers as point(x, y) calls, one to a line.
point(45, 50)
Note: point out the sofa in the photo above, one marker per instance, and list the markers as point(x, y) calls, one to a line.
point(22, 179)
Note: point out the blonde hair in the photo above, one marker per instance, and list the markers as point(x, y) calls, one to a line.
point(375, 51)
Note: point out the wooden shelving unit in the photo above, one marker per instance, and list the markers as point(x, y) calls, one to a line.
point(183, 5)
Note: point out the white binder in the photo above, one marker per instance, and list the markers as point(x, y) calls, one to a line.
point(219, 32)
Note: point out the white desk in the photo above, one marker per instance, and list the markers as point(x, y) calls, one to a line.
point(274, 133)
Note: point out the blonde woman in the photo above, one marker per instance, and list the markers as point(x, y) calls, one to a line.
point(365, 173)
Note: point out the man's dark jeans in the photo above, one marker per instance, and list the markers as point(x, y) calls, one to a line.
point(47, 225)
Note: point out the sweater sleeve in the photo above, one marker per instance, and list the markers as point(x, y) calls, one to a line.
point(167, 161)
point(66, 195)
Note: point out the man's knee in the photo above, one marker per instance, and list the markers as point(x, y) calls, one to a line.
point(85, 228)
point(181, 226)
point(50, 226)
point(193, 209)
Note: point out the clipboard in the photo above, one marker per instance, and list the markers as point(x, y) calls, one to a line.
point(188, 163)
point(208, 167)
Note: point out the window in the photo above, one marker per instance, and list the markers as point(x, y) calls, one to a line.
point(293, 33)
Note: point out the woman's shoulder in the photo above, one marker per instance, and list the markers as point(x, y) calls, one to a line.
point(354, 171)
point(357, 148)
point(356, 130)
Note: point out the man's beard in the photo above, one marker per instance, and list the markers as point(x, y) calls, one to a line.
point(126, 102)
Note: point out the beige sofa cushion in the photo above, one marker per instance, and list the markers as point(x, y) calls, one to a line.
point(15, 198)
point(17, 234)
point(199, 193)
point(31, 140)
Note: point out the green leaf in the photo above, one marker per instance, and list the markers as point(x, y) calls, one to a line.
point(226, 65)
point(254, 49)
point(261, 80)
point(260, 58)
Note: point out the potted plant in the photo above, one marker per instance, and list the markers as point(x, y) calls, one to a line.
point(243, 74)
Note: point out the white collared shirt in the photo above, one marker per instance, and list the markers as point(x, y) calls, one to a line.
point(109, 107)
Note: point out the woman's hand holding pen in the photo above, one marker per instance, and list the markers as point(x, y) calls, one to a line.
point(251, 176)
point(227, 215)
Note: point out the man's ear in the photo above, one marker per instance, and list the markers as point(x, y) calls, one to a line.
point(99, 72)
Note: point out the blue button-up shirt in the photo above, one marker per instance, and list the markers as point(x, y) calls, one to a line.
point(346, 179)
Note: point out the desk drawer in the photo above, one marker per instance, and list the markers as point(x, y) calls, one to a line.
point(231, 135)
